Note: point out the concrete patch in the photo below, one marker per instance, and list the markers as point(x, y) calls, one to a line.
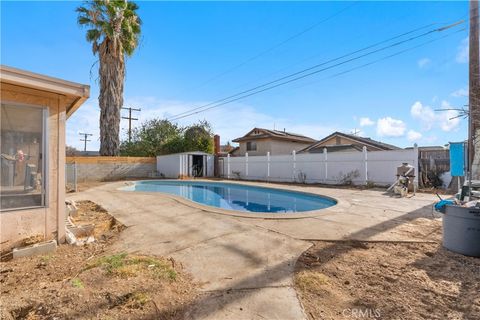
point(252, 259)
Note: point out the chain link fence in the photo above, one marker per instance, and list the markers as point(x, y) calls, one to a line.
point(71, 177)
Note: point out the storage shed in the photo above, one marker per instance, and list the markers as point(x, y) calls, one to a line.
point(186, 164)
point(34, 109)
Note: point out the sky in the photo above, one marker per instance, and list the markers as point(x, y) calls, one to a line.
point(193, 53)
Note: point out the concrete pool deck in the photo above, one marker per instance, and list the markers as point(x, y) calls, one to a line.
point(245, 265)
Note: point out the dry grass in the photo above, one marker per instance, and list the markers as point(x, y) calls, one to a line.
point(89, 282)
point(308, 280)
point(123, 265)
point(343, 280)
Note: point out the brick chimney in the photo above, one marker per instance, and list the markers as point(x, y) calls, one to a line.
point(216, 144)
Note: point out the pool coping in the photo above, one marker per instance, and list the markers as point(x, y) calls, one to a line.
point(340, 206)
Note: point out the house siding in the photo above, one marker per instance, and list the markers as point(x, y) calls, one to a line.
point(274, 146)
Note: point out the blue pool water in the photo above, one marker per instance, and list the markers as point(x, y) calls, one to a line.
point(237, 196)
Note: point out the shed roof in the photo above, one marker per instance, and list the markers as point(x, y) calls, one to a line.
point(195, 153)
point(79, 92)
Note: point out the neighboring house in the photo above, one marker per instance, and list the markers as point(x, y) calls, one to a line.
point(34, 109)
point(258, 141)
point(341, 142)
point(235, 152)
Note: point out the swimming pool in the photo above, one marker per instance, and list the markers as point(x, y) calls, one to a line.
point(237, 197)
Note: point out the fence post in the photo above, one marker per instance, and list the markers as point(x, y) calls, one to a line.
point(75, 175)
point(228, 166)
point(365, 159)
point(415, 165)
point(294, 158)
point(325, 158)
point(246, 164)
point(268, 165)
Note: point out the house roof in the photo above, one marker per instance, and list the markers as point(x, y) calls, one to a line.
point(337, 148)
point(274, 134)
point(79, 92)
point(354, 138)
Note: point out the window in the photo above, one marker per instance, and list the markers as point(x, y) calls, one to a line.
point(251, 146)
point(23, 157)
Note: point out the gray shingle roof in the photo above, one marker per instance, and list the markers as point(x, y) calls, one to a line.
point(267, 133)
point(360, 140)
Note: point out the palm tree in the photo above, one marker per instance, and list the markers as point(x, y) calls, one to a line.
point(114, 30)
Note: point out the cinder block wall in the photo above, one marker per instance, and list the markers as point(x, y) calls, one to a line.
point(112, 168)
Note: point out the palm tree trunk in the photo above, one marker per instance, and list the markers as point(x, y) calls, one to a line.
point(112, 74)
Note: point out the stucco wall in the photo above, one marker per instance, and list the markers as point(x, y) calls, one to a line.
point(17, 225)
point(275, 147)
point(286, 147)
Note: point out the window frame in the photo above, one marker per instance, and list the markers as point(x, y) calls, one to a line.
point(254, 143)
point(45, 156)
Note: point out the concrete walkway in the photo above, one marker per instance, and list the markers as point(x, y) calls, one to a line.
point(245, 265)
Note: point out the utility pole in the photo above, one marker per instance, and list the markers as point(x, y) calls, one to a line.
point(85, 139)
point(129, 118)
point(355, 132)
point(474, 93)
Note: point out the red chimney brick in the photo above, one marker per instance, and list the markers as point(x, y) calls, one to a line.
point(216, 144)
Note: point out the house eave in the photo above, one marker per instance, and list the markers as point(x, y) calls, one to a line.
point(79, 92)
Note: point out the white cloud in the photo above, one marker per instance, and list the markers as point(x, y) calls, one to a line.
point(463, 92)
point(448, 119)
point(423, 63)
point(414, 136)
point(365, 122)
point(230, 121)
point(462, 52)
point(389, 127)
point(423, 113)
point(430, 119)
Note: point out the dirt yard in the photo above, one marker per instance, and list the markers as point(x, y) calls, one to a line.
point(91, 281)
point(356, 280)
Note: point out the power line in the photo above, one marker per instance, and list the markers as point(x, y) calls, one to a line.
point(245, 94)
point(251, 94)
point(286, 66)
point(85, 139)
point(321, 64)
point(272, 48)
point(304, 70)
point(396, 54)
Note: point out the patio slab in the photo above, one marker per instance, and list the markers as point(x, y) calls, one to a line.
point(245, 265)
point(252, 304)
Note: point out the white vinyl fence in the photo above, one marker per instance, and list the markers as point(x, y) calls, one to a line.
point(359, 168)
